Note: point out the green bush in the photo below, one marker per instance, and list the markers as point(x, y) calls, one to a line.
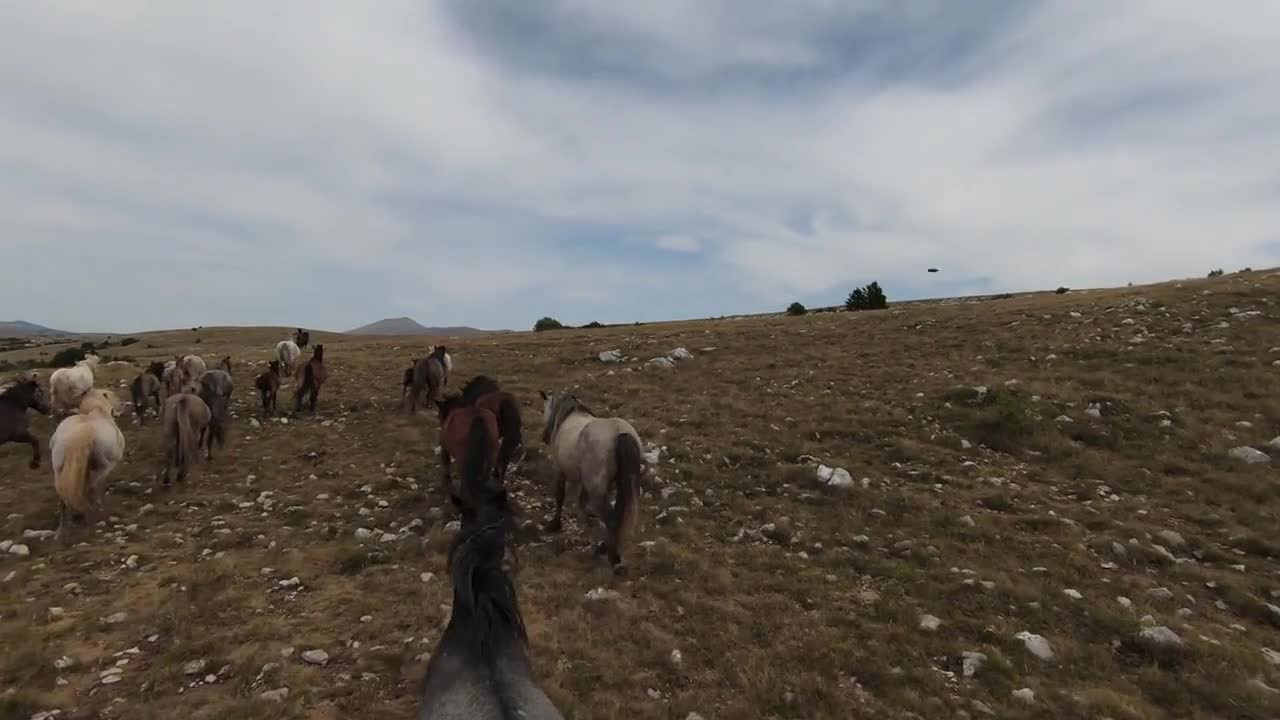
point(68, 356)
point(1062, 290)
point(796, 308)
point(871, 297)
point(593, 325)
point(1216, 273)
point(547, 323)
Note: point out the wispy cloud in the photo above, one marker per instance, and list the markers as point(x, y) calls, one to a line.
point(492, 161)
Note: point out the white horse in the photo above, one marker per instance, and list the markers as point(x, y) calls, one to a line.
point(448, 359)
point(288, 352)
point(193, 366)
point(68, 385)
point(85, 448)
point(598, 454)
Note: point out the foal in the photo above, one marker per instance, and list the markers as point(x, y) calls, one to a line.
point(310, 378)
point(480, 668)
point(268, 384)
point(144, 388)
point(25, 393)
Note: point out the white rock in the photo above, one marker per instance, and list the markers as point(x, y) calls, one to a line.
point(1124, 602)
point(116, 618)
point(427, 577)
point(277, 695)
point(1160, 636)
point(841, 479)
point(1073, 594)
point(1036, 645)
point(38, 534)
point(1063, 419)
point(1275, 441)
point(680, 354)
point(677, 659)
point(1248, 455)
point(364, 533)
point(611, 356)
point(1026, 695)
point(194, 667)
point(966, 521)
point(253, 423)
point(825, 473)
point(1171, 538)
point(930, 623)
point(19, 550)
point(1094, 410)
point(315, 657)
point(1272, 656)
point(1160, 593)
point(131, 562)
point(366, 618)
point(600, 594)
point(661, 363)
point(972, 662)
point(5, 545)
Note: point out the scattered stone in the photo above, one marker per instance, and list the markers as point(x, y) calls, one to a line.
point(930, 623)
point(194, 667)
point(115, 618)
point(677, 659)
point(611, 356)
point(364, 533)
point(5, 545)
point(19, 550)
point(1026, 695)
point(1036, 645)
point(1171, 538)
point(1160, 593)
point(315, 657)
point(1094, 410)
point(277, 695)
point(1160, 637)
point(1073, 594)
point(41, 535)
point(292, 582)
point(427, 577)
point(1125, 602)
point(966, 521)
point(1248, 455)
point(1272, 656)
point(971, 662)
point(131, 562)
point(601, 594)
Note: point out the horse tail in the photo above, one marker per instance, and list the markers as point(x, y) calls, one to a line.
point(626, 452)
point(308, 377)
point(509, 428)
point(72, 479)
point(185, 443)
point(477, 465)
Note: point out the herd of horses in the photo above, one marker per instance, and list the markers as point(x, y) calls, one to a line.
point(480, 667)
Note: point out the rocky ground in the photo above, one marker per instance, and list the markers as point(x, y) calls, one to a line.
point(1051, 506)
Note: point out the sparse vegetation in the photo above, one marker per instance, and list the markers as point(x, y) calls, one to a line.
point(795, 309)
point(128, 341)
point(1216, 273)
point(593, 325)
point(980, 506)
point(871, 297)
point(547, 323)
point(1062, 290)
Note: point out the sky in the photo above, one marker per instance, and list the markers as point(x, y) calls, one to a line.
point(487, 162)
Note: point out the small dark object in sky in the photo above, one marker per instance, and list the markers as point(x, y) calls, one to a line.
point(933, 269)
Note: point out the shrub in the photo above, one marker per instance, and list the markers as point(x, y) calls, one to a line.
point(1062, 290)
point(871, 297)
point(128, 341)
point(1216, 273)
point(69, 356)
point(593, 325)
point(796, 308)
point(547, 323)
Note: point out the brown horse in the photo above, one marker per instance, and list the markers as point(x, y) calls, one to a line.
point(456, 417)
point(25, 393)
point(145, 387)
point(483, 392)
point(430, 375)
point(268, 384)
point(186, 423)
point(310, 379)
point(301, 338)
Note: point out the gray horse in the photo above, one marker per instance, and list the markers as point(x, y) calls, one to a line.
point(215, 390)
point(480, 668)
point(598, 455)
point(429, 375)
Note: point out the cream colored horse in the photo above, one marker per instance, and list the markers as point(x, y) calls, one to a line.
point(68, 385)
point(288, 352)
point(85, 448)
point(597, 455)
point(193, 366)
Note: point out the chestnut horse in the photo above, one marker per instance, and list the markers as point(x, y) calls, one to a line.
point(456, 417)
point(268, 384)
point(483, 392)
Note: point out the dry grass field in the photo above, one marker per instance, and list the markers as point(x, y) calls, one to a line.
point(1086, 496)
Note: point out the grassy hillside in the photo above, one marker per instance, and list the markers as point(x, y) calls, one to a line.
point(1094, 467)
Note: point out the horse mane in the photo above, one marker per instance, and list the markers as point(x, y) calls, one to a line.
point(449, 403)
point(481, 588)
point(477, 387)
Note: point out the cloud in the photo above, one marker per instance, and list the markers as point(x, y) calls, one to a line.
point(491, 161)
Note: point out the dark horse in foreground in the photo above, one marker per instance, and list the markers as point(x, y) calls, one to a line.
point(480, 668)
point(311, 378)
point(14, 402)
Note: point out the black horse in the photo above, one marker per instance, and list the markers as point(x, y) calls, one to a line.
point(14, 403)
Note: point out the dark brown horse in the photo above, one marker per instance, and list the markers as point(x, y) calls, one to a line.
point(456, 417)
point(14, 402)
point(145, 387)
point(301, 337)
point(268, 384)
point(310, 379)
point(483, 392)
point(407, 382)
point(429, 375)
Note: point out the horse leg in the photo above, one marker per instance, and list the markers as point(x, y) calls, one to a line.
point(315, 397)
point(557, 520)
point(25, 436)
point(445, 463)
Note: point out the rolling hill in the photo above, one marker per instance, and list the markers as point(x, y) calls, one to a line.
point(409, 326)
point(24, 329)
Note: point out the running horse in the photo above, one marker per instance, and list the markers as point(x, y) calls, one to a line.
point(23, 395)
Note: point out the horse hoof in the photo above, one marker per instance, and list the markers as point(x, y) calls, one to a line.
point(620, 570)
point(34, 464)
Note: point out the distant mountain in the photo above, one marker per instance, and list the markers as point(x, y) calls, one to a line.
point(409, 326)
point(24, 329)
